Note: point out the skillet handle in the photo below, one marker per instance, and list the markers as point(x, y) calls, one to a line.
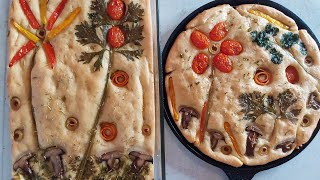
point(240, 175)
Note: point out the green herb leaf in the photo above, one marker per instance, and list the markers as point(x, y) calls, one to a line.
point(86, 58)
point(99, 16)
point(303, 49)
point(133, 34)
point(285, 101)
point(288, 40)
point(273, 31)
point(262, 39)
point(255, 104)
point(134, 13)
point(87, 34)
point(276, 56)
point(130, 55)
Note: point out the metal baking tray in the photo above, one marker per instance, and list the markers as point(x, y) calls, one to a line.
point(243, 172)
point(5, 150)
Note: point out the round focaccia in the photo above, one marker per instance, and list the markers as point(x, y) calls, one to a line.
point(243, 84)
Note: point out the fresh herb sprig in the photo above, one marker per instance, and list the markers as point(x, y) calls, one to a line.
point(256, 104)
point(95, 32)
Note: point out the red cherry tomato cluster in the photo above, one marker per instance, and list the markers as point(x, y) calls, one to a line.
point(221, 61)
point(116, 11)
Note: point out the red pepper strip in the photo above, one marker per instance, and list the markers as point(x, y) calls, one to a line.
point(56, 13)
point(48, 49)
point(30, 16)
point(202, 122)
point(22, 52)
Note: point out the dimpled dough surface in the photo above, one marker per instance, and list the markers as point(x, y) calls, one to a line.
point(50, 96)
point(192, 89)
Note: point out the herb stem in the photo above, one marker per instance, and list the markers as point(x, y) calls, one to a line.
point(103, 100)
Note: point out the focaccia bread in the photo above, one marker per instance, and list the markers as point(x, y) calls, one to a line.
point(81, 89)
point(243, 84)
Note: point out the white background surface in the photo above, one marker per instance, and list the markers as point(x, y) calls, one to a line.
point(180, 163)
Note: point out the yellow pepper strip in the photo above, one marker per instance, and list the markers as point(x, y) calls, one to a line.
point(43, 11)
point(269, 18)
point(25, 32)
point(173, 100)
point(228, 129)
point(64, 24)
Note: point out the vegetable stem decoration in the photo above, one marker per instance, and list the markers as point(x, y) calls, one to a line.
point(111, 27)
point(228, 129)
point(173, 100)
point(202, 122)
point(41, 37)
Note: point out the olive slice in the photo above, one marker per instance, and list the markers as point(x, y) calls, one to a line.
point(146, 130)
point(305, 122)
point(263, 150)
point(226, 150)
point(15, 103)
point(41, 33)
point(213, 49)
point(18, 135)
point(72, 124)
point(309, 61)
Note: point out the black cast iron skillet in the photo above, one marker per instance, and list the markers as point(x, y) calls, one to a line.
point(243, 172)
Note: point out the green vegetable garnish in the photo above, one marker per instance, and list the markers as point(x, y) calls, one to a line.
point(276, 56)
point(288, 40)
point(273, 31)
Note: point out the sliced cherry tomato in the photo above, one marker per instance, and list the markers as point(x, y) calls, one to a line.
point(200, 63)
point(218, 32)
point(115, 37)
point(115, 9)
point(199, 40)
point(231, 47)
point(292, 75)
point(222, 62)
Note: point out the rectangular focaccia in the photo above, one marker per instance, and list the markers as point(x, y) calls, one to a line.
point(81, 89)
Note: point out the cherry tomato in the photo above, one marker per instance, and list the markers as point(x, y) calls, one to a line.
point(200, 63)
point(115, 9)
point(292, 74)
point(199, 40)
point(115, 37)
point(230, 47)
point(222, 62)
point(218, 32)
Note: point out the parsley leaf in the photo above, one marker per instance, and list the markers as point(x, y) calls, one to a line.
point(276, 56)
point(130, 55)
point(133, 33)
point(261, 38)
point(98, 15)
point(288, 40)
point(86, 58)
point(303, 49)
point(134, 13)
point(271, 30)
point(87, 34)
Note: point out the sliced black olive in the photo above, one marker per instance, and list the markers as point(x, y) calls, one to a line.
point(252, 139)
point(53, 154)
point(313, 101)
point(15, 103)
point(286, 146)
point(18, 135)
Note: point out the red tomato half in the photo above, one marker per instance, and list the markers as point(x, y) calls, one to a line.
point(218, 32)
point(199, 40)
point(115, 9)
point(231, 47)
point(115, 37)
point(292, 75)
point(200, 63)
point(222, 62)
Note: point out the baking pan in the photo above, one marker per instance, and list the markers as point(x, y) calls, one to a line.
point(244, 172)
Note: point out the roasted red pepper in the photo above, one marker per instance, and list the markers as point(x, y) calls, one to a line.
point(202, 122)
point(30, 16)
point(22, 52)
point(48, 49)
point(56, 13)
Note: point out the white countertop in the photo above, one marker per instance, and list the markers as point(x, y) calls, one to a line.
point(182, 164)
